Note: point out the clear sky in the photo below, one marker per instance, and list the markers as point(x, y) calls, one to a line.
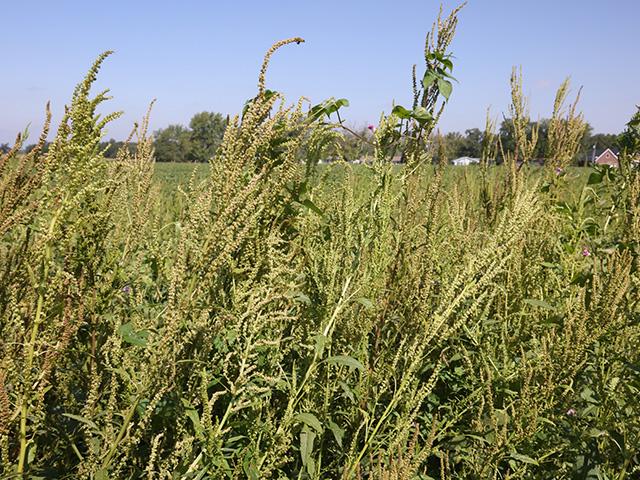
point(205, 55)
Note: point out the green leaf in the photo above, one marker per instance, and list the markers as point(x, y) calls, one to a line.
point(80, 419)
point(311, 420)
point(316, 112)
point(101, 474)
point(331, 106)
point(365, 302)
point(321, 341)
point(401, 112)
point(338, 433)
point(192, 413)
point(307, 438)
point(267, 95)
point(430, 77)
point(549, 265)
point(587, 394)
point(132, 337)
point(312, 206)
point(523, 458)
point(422, 115)
point(445, 87)
point(345, 360)
point(250, 470)
point(301, 297)
point(538, 303)
point(347, 391)
point(595, 177)
point(31, 455)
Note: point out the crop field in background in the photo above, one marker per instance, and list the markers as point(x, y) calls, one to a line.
point(267, 316)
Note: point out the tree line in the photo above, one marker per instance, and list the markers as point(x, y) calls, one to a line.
point(199, 141)
point(176, 143)
point(469, 144)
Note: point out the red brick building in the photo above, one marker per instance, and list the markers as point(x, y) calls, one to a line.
point(607, 158)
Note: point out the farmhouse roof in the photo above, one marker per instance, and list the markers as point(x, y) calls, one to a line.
point(608, 157)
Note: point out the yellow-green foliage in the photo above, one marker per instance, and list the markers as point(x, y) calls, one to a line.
point(263, 317)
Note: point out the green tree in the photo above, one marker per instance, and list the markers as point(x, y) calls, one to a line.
point(111, 148)
point(629, 140)
point(454, 144)
point(472, 146)
point(207, 130)
point(172, 144)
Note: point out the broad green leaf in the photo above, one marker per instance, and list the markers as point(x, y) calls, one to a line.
point(83, 420)
point(311, 206)
point(587, 394)
point(502, 417)
point(429, 78)
point(132, 337)
point(316, 112)
point(101, 474)
point(338, 433)
point(347, 391)
point(307, 438)
point(345, 360)
point(401, 112)
point(192, 413)
point(595, 177)
point(250, 470)
point(311, 467)
point(445, 87)
point(538, 303)
point(301, 297)
point(523, 458)
point(311, 420)
point(321, 341)
point(422, 115)
point(31, 455)
point(365, 302)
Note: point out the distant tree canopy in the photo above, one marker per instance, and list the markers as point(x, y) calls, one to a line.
point(197, 143)
point(172, 144)
point(207, 130)
point(112, 147)
point(356, 144)
point(108, 148)
point(469, 144)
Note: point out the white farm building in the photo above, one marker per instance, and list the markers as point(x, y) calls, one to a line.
point(463, 161)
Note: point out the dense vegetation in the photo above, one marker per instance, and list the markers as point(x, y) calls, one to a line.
point(269, 318)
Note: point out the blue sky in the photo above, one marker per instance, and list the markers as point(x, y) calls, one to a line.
point(205, 55)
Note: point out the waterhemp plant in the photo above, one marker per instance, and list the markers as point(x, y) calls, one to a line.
point(269, 318)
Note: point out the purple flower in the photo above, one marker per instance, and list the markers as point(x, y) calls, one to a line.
point(571, 412)
point(585, 251)
point(126, 289)
point(371, 127)
point(559, 171)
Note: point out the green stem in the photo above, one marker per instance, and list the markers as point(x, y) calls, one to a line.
point(121, 433)
point(24, 409)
